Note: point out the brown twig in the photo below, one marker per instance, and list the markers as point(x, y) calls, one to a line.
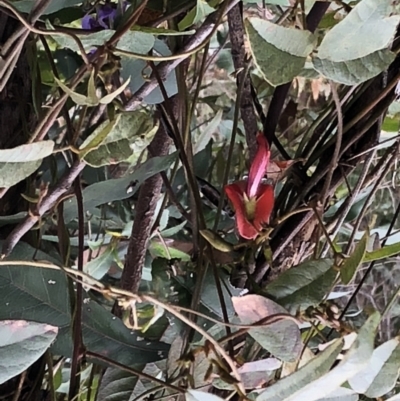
point(338, 145)
point(77, 312)
point(149, 194)
point(47, 203)
point(166, 67)
point(236, 34)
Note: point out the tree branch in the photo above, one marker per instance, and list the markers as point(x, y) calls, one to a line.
point(236, 34)
point(149, 194)
point(47, 203)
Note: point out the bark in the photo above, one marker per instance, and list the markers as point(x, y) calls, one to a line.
point(149, 195)
point(236, 34)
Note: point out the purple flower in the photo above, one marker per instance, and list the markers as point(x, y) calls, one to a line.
point(104, 18)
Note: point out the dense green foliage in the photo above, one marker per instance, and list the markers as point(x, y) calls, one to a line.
point(198, 199)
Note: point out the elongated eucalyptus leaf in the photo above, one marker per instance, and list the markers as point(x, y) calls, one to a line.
point(310, 372)
point(96, 139)
point(195, 395)
point(358, 48)
point(382, 253)
point(382, 372)
point(21, 344)
point(116, 141)
point(351, 264)
point(118, 188)
point(138, 70)
point(42, 295)
point(116, 385)
point(304, 285)
point(341, 394)
point(356, 359)
point(53, 6)
point(20, 162)
point(196, 14)
point(132, 41)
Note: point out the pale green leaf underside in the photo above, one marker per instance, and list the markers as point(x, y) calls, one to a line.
point(280, 53)
point(310, 372)
point(380, 376)
point(357, 48)
point(281, 339)
point(130, 134)
point(20, 162)
point(21, 344)
point(131, 41)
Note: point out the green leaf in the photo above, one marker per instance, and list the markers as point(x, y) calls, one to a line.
point(382, 253)
point(216, 241)
point(25, 6)
point(21, 344)
point(357, 48)
point(382, 372)
point(99, 266)
point(91, 99)
point(133, 41)
point(209, 297)
point(304, 285)
point(137, 42)
point(195, 395)
point(77, 98)
point(390, 124)
point(107, 99)
point(117, 189)
point(280, 53)
point(312, 371)
point(356, 359)
point(162, 31)
point(281, 339)
point(107, 335)
point(42, 295)
point(129, 136)
point(198, 368)
point(137, 70)
point(195, 15)
point(157, 249)
point(20, 162)
point(94, 140)
point(169, 232)
point(116, 385)
point(89, 41)
point(12, 219)
point(284, 3)
point(341, 394)
point(206, 133)
point(91, 90)
point(350, 265)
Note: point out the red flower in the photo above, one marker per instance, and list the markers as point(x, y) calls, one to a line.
point(253, 200)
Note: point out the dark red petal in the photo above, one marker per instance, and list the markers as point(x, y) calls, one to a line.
point(234, 192)
point(264, 206)
point(259, 165)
